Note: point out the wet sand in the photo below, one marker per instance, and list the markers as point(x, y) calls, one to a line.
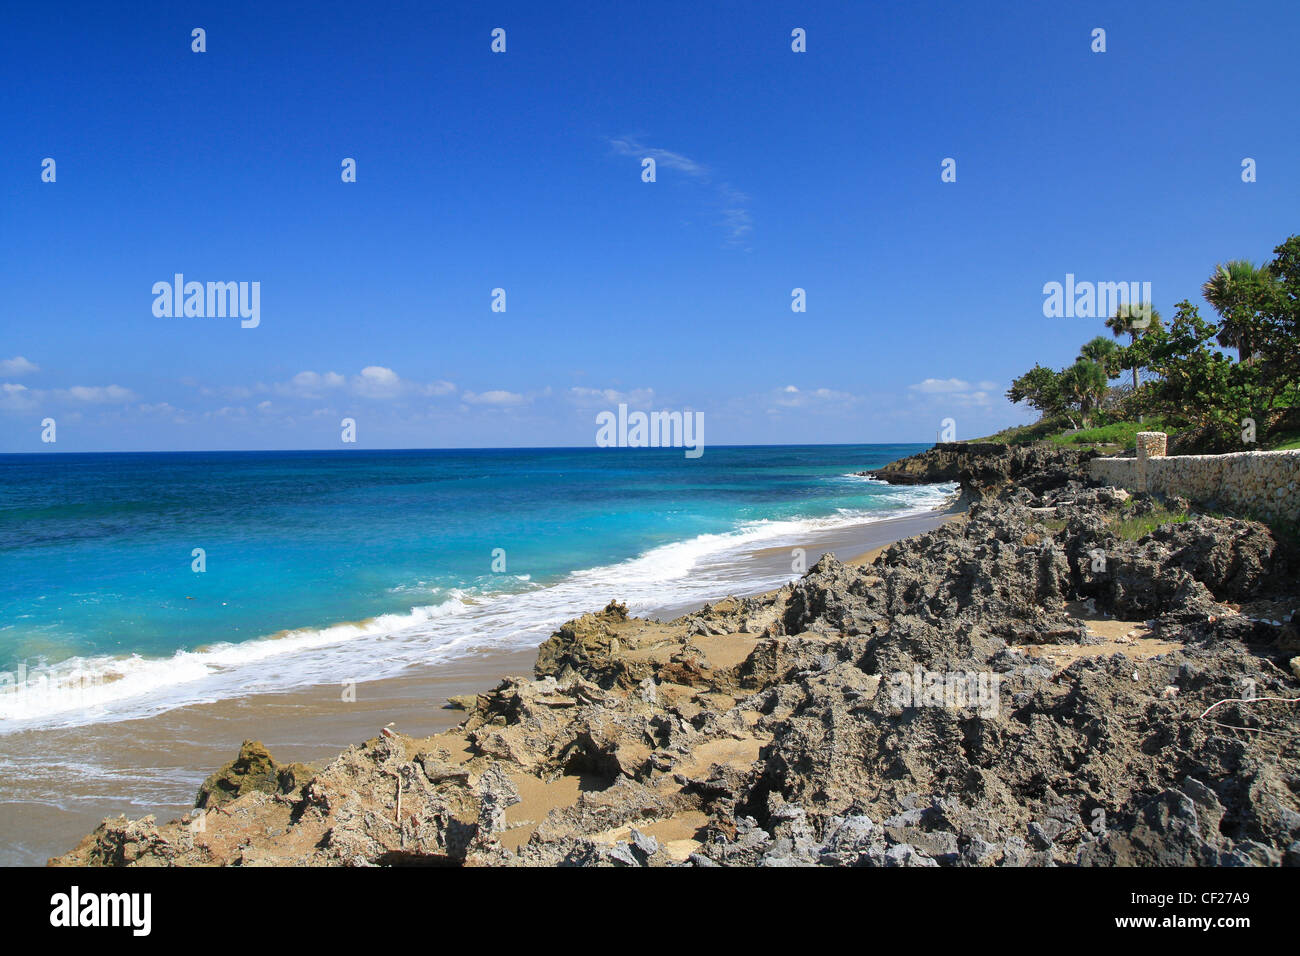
point(72, 778)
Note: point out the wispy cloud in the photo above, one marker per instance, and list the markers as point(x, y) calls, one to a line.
point(735, 214)
point(16, 398)
point(20, 398)
point(603, 397)
point(957, 391)
point(376, 382)
point(733, 204)
point(17, 366)
point(629, 146)
point(497, 397)
point(166, 410)
point(813, 399)
point(97, 394)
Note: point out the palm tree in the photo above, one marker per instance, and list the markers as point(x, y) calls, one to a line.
point(1072, 392)
point(1084, 383)
point(1134, 321)
point(1104, 352)
point(1233, 289)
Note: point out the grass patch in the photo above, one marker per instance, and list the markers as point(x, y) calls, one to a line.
point(1123, 434)
point(1130, 526)
point(1126, 524)
point(1119, 434)
point(1284, 442)
point(1040, 430)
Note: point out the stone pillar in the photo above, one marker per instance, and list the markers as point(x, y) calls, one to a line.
point(1149, 445)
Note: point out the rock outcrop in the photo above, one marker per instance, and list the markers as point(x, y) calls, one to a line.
point(253, 770)
point(984, 469)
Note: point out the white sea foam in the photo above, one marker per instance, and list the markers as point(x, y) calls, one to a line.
point(98, 689)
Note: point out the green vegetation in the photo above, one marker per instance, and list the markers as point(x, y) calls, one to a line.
point(1123, 434)
point(1024, 434)
point(1131, 526)
point(1128, 524)
point(1134, 321)
point(1180, 380)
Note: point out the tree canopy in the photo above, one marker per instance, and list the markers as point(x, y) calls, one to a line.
point(1189, 379)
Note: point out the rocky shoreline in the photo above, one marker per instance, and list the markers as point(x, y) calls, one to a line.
point(1033, 685)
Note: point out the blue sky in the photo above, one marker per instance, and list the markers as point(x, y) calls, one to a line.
point(522, 170)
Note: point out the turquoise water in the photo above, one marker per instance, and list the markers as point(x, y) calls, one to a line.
point(97, 578)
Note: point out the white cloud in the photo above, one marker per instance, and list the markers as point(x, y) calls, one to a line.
point(940, 386)
point(593, 397)
point(97, 394)
point(306, 384)
point(166, 409)
point(497, 397)
point(957, 392)
point(16, 398)
point(316, 380)
point(791, 396)
point(376, 381)
point(17, 366)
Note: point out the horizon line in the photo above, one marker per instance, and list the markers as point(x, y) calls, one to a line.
point(243, 451)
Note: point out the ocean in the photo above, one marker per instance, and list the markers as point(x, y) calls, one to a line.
point(131, 584)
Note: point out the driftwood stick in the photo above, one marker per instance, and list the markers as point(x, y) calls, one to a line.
point(1246, 700)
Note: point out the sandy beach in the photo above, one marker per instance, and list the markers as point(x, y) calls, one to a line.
point(161, 760)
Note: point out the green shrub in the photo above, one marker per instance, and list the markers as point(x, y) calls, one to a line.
point(1118, 433)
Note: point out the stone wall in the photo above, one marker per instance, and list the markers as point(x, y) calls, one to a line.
point(1261, 482)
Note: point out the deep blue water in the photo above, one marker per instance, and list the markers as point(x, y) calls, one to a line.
point(96, 549)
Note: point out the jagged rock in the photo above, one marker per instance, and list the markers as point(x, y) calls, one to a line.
point(1233, 558)
point(253, 770)
point(985, 468)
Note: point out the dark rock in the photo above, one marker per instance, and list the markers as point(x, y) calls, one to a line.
point(984, 469)
point(254, 770)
